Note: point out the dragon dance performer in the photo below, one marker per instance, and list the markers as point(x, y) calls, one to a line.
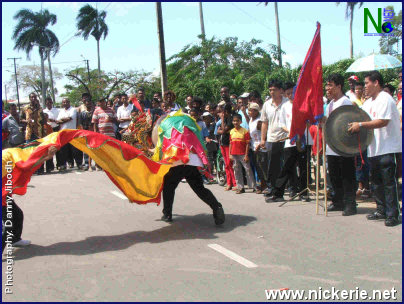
point(179, 142)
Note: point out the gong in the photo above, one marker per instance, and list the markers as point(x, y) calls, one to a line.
point(339, 138)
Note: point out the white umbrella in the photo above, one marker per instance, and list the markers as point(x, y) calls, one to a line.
point(374, 62)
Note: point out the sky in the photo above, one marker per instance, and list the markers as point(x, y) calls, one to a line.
point(132, 41)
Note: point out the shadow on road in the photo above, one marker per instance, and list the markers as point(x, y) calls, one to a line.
point(183, 227)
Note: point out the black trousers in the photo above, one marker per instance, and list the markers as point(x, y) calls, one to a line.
point(275, 157)
point(194, 179)
point(384, 184)
point(11, 227)
point(343, 179)
point(260, 160)
point(288, 172)
point(69, 149)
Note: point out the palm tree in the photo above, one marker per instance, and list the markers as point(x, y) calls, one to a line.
point(350, 6)
point(31, 30)
point(91, 21)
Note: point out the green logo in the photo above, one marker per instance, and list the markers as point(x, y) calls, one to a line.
point(382, 28)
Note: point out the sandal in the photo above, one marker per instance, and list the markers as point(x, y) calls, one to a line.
point(239, 191)
point(228, 188)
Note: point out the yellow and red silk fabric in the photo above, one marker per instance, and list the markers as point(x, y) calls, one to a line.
point(138, 177)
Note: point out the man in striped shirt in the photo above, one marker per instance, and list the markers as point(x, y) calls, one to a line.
point(103, 119)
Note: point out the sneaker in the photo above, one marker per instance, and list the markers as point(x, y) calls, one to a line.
point(218, 215)
point(22, 243)
point(167, 218)
point(391, 221)
point(349, 211)
point(376, 216)
point(274, 199)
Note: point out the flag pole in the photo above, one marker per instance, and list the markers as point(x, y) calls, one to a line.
point(325, 175)
point(317, 168)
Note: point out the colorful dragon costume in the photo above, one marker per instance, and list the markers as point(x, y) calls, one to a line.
point(137, 176)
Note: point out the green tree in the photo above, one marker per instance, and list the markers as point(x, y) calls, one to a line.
point(29, 79)
point(241, 66)
point(349, 14)
point(387, 43)
point(90, 21)
point(32, 29)
point(108, 84)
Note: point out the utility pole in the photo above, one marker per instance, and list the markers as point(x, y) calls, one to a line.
point(205, 62)
point(88, 70)
point(16, 81)
point(278, 34)
point(51, 76)
point(5, 91)
point(160, 30)
point(201, 19)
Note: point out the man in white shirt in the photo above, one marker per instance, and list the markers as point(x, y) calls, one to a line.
point(291, 155)
point(351, 93)
point(271, 131)
point(67, 119)
point(123, 113)
point(386, 142)
point(341, 169)
point(53, 114)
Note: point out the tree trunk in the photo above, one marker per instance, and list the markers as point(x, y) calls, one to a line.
point(278, 35)
point(43, 89)
point(350, 34)
point(51, 77)
point(160, 31)
point(99, 62)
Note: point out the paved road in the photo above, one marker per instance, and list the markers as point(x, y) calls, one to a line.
point(91, 245)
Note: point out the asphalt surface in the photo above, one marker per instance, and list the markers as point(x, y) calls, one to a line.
point(88, 244)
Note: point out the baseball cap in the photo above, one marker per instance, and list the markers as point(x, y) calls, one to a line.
point(206, 114)
point(254, 106)
point(354, 77)
point(244, 95)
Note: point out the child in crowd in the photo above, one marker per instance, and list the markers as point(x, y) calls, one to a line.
point(239, 147)
point(211, 142)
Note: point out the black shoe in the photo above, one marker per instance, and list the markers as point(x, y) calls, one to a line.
point(349, 211)
point(292, 194)
point(274, 199)
point(269, 194)
point(391, 221)
point(376, 216)
point(167, 218)
point(304, 197)
point(333, 207)
point(218, 215)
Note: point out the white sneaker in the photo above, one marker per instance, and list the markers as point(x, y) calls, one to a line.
point(22, 243)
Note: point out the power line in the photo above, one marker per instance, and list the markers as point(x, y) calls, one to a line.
point(76, 32)
point(263, 24)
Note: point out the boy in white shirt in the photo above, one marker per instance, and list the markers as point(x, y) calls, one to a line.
point(341, 169)
point(386, 142)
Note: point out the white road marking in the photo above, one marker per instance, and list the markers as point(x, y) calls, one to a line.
point(118, 194)
point(233, 256)
point(79, 173)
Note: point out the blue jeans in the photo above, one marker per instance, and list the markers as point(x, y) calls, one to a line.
point(384, 184)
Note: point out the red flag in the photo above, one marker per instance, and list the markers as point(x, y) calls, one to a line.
point(308, 99)
point(135, 102)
